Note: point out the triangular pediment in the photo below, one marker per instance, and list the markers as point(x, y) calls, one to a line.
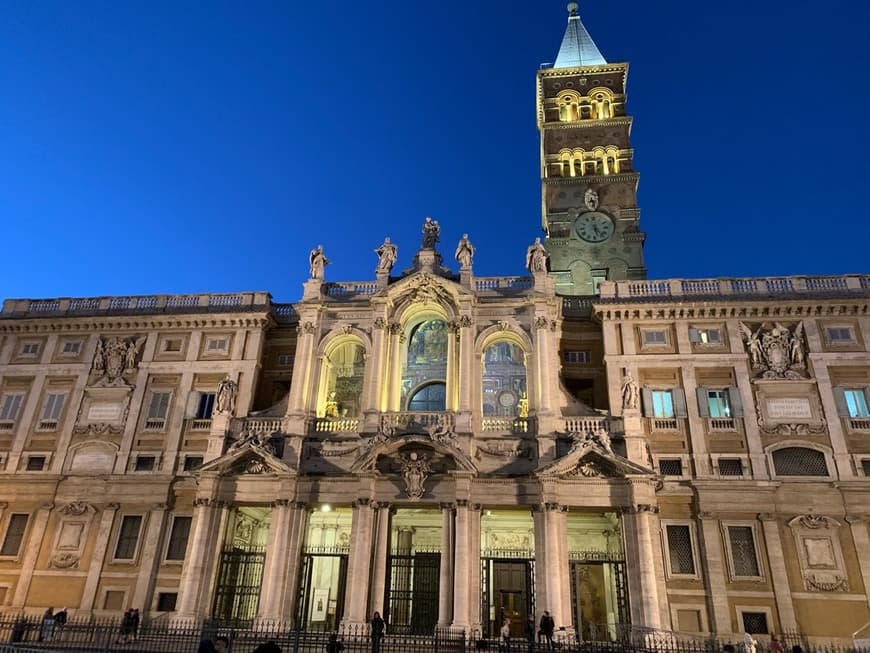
point(592, 460)
point(248, 458)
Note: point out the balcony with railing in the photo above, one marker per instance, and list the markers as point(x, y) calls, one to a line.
point(727, 288)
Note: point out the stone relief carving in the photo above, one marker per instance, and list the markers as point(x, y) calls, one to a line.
point(75, 508)
point(100, 429)
point(114, 357)
point(816, 427)
point(253, 440)
point(593, 469)
point(225, 401)
point(590, 199)
point(425, 290)
point(501, 449)
point(64, 560)
point(821, 557)
point(591, 438)
point(775, 352)
point(415, 471)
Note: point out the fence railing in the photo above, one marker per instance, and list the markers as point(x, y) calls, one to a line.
point(172, 635)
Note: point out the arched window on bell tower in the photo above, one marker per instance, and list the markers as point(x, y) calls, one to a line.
point(569, 106)
point(601, 103)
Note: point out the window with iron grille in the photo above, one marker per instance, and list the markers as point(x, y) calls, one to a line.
point(671, 467)
point(680, 553)
point(166, 601)
point(178, 538)
point(14, 535)
point(865, 465)
point(128, 537)
point(743, 556)
point(755, 623)
point(799, 461)
point(192, 462)
point(730, 467)
point(35, 463)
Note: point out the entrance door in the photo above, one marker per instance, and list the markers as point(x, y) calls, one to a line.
point(507, 594)
point(240, 576)
point(322, 586)
point(599, 599)
point(413, 585)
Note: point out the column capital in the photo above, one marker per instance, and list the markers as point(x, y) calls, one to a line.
point(447, 505)
point(640, 508)
point(280, 503)
point(707, 516)
point(160, 506)
point(362, 502)
point(382, 505)
point(3, 504)
point(462, 503)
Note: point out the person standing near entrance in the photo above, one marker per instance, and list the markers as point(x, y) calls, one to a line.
point(504, 641)
point(547, 628)
point(378, 626)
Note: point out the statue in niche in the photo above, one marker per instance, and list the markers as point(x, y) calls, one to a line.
point(630, 392)
point(536, 257)
point(225, 401)
point(331, 405)
point(431, 233)
point(775, 352)
point(317, 261)
point(464, 253)
point(415, 471)
point(387, 254)
point(590, 199)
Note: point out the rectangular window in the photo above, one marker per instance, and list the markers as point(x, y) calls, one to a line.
point(30, 349)
point(856, 402)
point(35, 463)
point(597, 277)
point(680, 552)
point(166, 601)
point(192, 462)
point(840, 335)
point(53, 406)
point(652, 338)
point(744, 559)
point(178, 538)
point(72, 347)
point(128, 537)
point(671, 467)
point(285, 360)
point(754, 623)
point(865, 465)
point(9, 407)
point(662, 404)
point(705, 336)
point(206, 405)
point(216, 345)
point(14, 535)
point(144, 463)
point(718, 404)
point(581, 357)
point(159, 406)
point(730, 467)
point(172, 345)
point(114, 600)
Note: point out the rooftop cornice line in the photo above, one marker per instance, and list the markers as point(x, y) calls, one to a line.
point(63, 324)
point(588, 124)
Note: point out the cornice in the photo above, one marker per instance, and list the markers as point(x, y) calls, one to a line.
point(727, 308)
point(588, 124)
point(615, 67)
point(599, 179)
point(135, 323)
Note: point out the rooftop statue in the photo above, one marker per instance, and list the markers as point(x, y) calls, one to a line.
point(464, 253)
point(317, 259)
point(387, 254)
point(431, 233)
point(536, 257)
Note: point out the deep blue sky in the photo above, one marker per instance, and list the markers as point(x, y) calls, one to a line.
point(169, 146)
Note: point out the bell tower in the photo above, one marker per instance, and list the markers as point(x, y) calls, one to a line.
point(588, 183)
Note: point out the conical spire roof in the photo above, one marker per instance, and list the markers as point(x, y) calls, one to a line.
point(578, 48)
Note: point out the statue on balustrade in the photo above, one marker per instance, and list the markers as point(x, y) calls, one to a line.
point(464, 253)
point(431, 233)
point(225, 401)
point(318, 261)
point(536, 257)
point(387, 254)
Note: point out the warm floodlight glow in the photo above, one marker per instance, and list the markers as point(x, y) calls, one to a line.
point(325, 508)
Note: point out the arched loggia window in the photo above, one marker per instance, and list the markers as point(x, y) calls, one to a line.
point(425, 375)
point(504, 380)
point(342, 380)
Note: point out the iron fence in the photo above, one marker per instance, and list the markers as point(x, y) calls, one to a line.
point(27, 634)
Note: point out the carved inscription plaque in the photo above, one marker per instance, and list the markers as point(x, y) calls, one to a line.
point(789, 408)
point(105, 412)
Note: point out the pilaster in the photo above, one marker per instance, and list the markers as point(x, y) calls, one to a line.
point(359, 565)
point(858, 527)
point(298, 531)
point(199, 566)
point(151, 552)
point(714, 569)
point(97, 560)
point(754, 446)
point(31, 553)
point(379, 564)
point(835, 425)
point(778, 573)
point(700, 455)
point(278, 558)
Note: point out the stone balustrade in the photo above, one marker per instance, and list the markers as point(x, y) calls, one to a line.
point(336, 425)
point(501, 285)
point(780, 287)
point(79, 306)
point(409, 421)
point(586, 424)
point(350, 289)
point(260, 425)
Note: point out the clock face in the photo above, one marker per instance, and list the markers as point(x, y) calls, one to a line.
point(594, 227)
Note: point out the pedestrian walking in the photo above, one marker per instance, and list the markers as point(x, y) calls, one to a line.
point(377, 634)
point(548, 625)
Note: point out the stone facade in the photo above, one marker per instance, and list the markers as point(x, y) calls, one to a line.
point(450, 450)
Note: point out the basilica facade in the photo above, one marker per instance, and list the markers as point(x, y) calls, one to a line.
point(685, 455)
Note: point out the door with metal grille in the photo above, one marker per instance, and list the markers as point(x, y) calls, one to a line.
point(599, 598)
point(240, 575)
point(413, 586)
point(507, 593)
point(322, 587)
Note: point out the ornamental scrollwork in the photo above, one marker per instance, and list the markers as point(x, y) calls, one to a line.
point(775, 352)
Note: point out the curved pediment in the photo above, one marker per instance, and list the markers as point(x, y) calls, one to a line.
point(425, 288)
point(435, 446)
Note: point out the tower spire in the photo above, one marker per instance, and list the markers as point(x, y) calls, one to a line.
point(578, 48)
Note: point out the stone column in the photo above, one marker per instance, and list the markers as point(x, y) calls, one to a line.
point(151, 554)
point(551, 563)
point(359, 565)
point(474, 561)
point(299, 387)
point(445, 581)
point(754, 446)
point(453, 383)
point(697, 429)
point(277, 561)
point(543, 593)
point(462, 566)
point(643, 585)
point(778, 572)
point(395, 381)
point(544, 365)
point(858, 526)
point(97, 559)
point(714, 569)
point(31, 547)
point(199, 565)
point(298, 532)
point(379, 566)
point(466, 363)
point(375, 367)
